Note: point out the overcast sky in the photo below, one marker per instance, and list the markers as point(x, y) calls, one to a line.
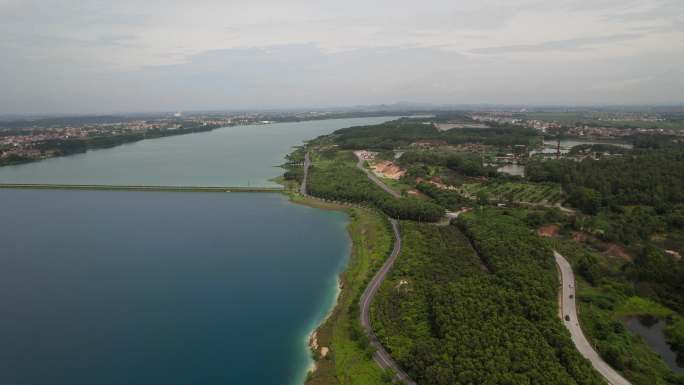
point(85, 56)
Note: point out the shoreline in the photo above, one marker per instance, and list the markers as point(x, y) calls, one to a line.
point(337, 345)
point(316, 351)
point(312, 340)
point(93, 187)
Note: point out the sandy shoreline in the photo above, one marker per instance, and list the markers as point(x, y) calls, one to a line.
point(316, 350)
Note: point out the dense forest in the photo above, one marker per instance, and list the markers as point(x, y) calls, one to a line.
point(476, 302)
point(451, 315)
point(467, 164)
point(14, 159)
point(450, 200)
point(402, 132)
point(628, 199)
point(654, 178)
point(342, 181)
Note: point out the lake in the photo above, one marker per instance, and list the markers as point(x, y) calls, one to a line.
point(159, 288)
point(154, 288)
point(550, 146)
point(229, 156)
point(652, 330)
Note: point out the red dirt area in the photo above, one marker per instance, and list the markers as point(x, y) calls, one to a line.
point(618, 251)
point(579, 236)
point(548, 231)
point(388, 169)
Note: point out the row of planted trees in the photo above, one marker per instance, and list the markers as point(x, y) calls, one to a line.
point(477, 305)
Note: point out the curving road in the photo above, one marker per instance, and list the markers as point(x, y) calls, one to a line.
point(307, 164)
point(569, 309)
point(375, 179)
point(381, 357)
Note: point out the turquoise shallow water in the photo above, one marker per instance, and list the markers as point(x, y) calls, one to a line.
point(230, 156)
point(142, 288)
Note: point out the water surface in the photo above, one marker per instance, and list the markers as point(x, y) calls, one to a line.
point(230, 156)
point(550, 146)
point(653, 333)
point(154, 288)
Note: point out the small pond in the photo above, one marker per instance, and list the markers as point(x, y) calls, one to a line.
point(652, 330)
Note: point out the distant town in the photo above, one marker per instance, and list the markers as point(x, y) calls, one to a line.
point(29, 139)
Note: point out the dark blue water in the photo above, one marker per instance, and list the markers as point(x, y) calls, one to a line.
point(139, 288)
point(652, 330)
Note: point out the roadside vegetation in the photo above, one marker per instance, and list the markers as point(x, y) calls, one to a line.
point(617, 284)
point(452, 315)
point(607, 298)
point(342, 352)
point(477, 301)
point(516, 192)
point(336, 178)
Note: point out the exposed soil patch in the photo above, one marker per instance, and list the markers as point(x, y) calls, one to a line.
point(387, 169)
point(579, 236)
point(618, 251)
point(548, 231)
point(608, 248)
point(675, 254)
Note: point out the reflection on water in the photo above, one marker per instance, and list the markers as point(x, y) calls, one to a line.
point(550, 146)
point(652, 330)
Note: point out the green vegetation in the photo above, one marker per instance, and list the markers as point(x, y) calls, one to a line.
point(349, 362)
point(451, 317)
point(467, 164)
point(654, 178)
point(510, 192)
point(477, 302)
point(402, 132)
point(337, 178)
point(448, 199)
point(75, 146)
point(636, 200)
point(13, 159)
point(606, 295)
point(597, 148)
point(63, 147)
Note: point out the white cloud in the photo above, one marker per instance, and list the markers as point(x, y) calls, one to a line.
point(90, 55)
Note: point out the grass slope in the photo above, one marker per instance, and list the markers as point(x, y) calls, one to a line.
point(349, 359)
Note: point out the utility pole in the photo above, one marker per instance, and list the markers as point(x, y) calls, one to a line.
point(558, 143)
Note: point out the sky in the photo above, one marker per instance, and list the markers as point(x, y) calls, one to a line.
point(90, 56)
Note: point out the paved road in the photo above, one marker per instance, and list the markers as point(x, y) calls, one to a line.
point(375, 179)
point(307, 164)
point(569, 308)
point(381, 356)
